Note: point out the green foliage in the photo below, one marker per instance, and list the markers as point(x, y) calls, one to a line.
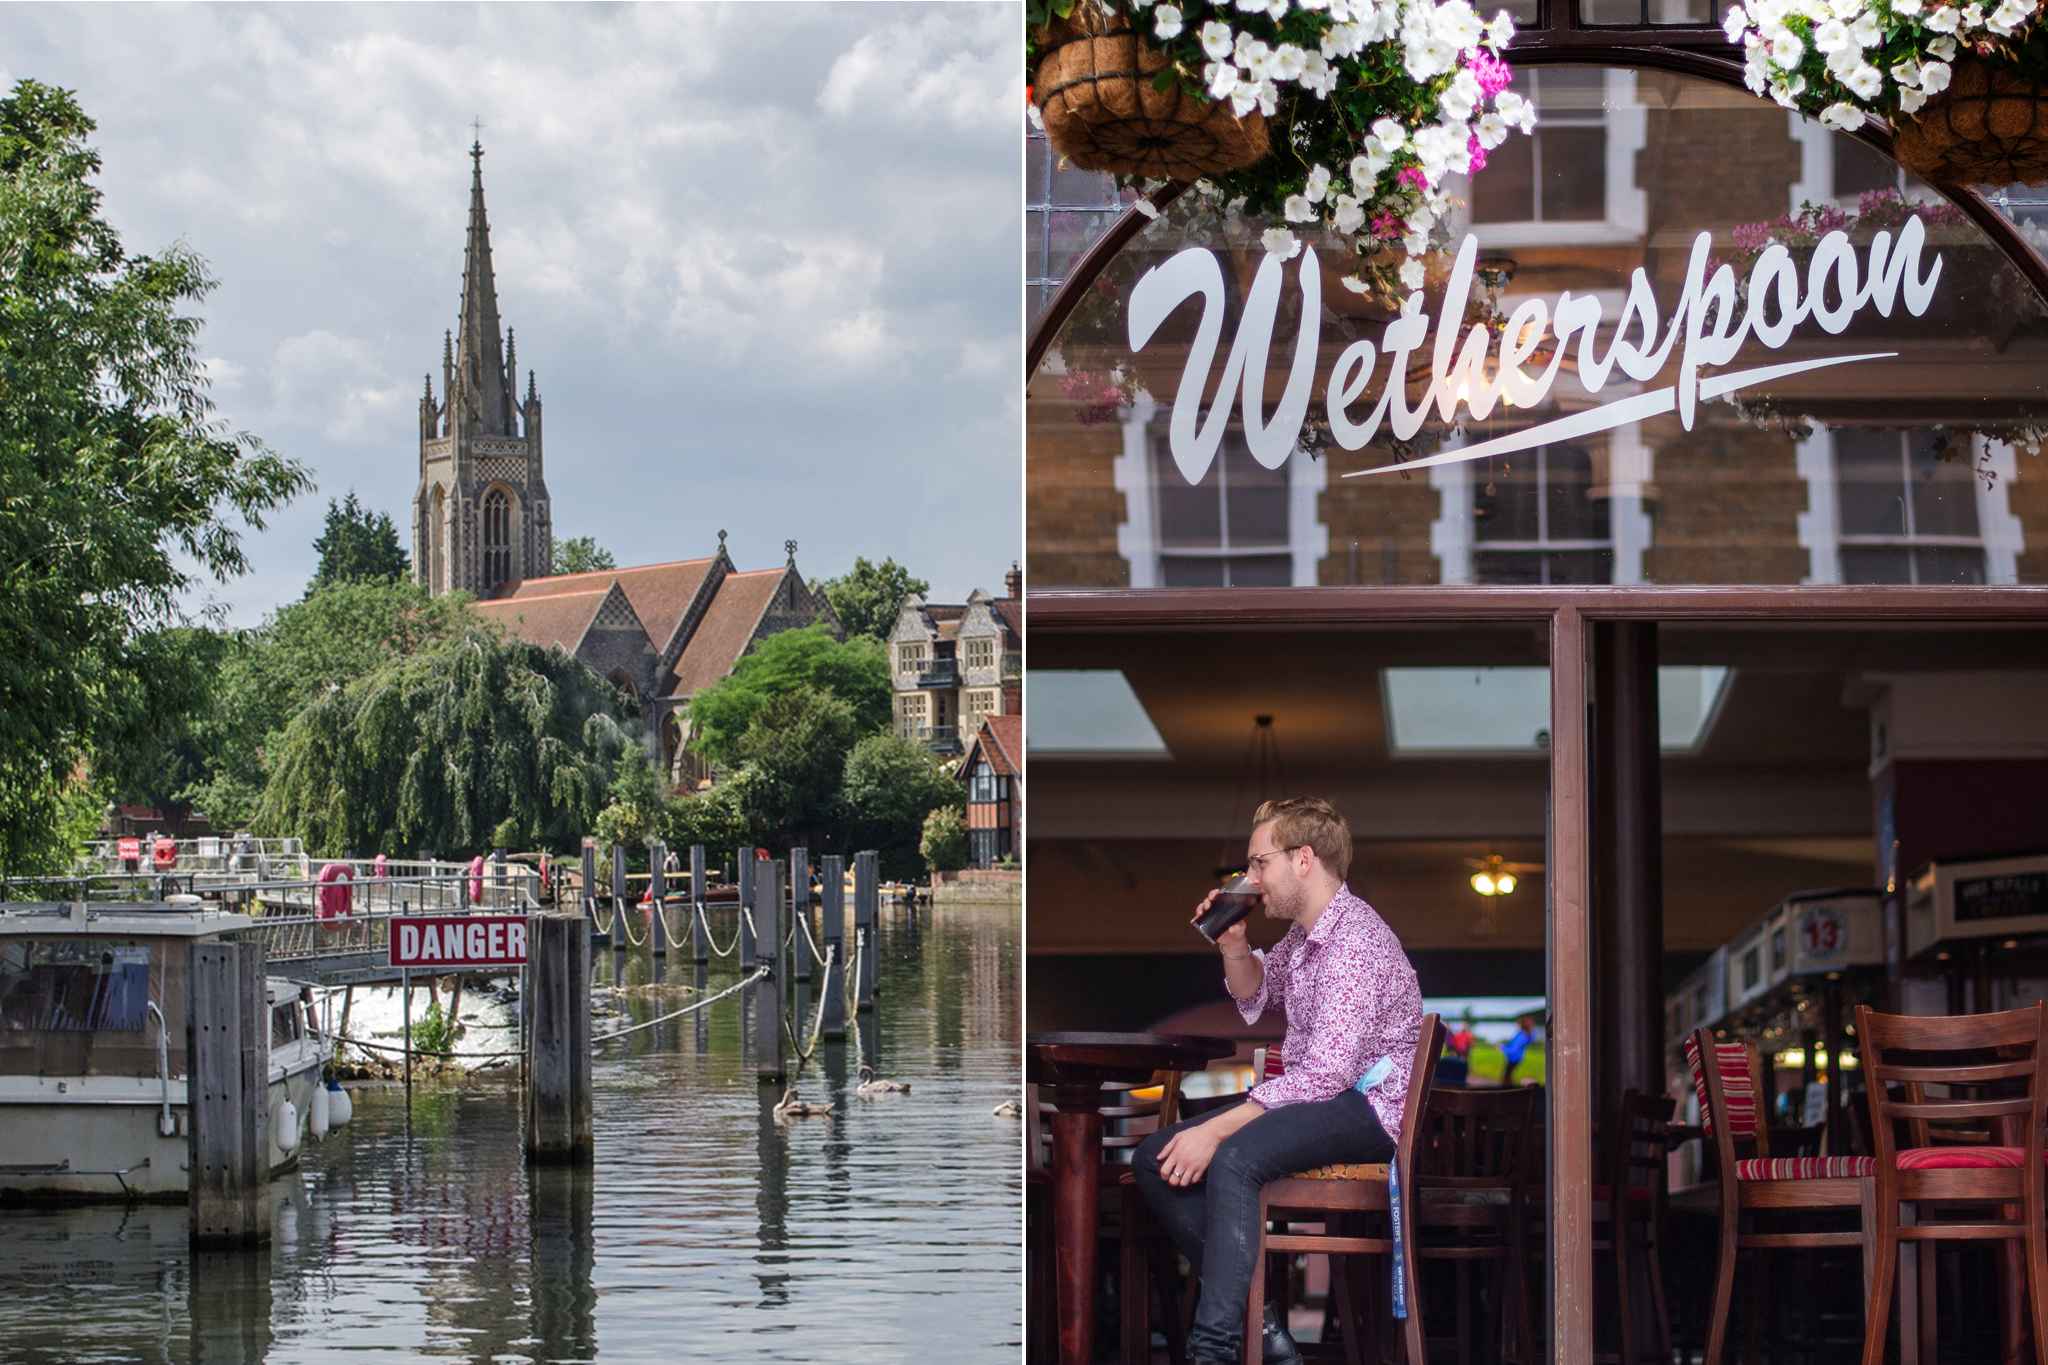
point(581, 555)
point(433, 1032)
point(303, 652)
point(945, 840)
point(857, 672)
point(638, 806)
point(794, 757)
point(472, 740)
point(114, 474)
point(714, 819)
point(357, 547)
point(868, 600)
point(889, 789)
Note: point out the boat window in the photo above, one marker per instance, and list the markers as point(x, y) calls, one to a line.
point(285, 1025)
point(73, 984)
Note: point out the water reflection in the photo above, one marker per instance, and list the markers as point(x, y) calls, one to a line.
point(706, 1231)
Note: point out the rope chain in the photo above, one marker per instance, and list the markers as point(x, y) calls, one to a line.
point(759, 972)
point(729, 949)
point(624, 916)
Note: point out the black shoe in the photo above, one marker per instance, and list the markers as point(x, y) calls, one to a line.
point(1277, 1348)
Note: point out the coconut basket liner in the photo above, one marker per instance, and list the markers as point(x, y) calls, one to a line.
point(1990, 127)
point(1094, 85)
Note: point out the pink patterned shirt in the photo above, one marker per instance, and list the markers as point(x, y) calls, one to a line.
point(1351, 999)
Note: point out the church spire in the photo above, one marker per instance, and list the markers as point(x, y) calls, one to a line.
point(480, 353)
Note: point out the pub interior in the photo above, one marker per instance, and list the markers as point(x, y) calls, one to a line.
point(1748, 697)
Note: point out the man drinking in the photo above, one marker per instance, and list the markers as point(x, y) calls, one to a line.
point(1353, 1015)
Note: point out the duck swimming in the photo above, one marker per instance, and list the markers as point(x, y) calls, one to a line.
point(870, 1084)
point(793, 1106)
point(1009, 1109)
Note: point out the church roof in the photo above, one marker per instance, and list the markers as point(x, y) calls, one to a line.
point(554, 619)
point(480, 346)
point(660, 593)
point(726, 630)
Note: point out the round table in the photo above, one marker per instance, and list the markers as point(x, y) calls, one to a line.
point(1070, 1069)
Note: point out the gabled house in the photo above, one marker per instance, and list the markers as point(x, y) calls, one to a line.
point(993, 770)
point(952, 666)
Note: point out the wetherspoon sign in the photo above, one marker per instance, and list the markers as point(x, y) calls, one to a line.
point(1707, 329)
point(458, 942)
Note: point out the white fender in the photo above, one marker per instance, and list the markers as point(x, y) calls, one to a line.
point(340, 1108)
point(319, 1115)
point(285, 1130)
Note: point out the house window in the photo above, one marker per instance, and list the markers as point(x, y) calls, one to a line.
point(910, 657)
point(985, 785)
point(1535, 520)
point(1908, 507)
point(1573, 180)
point(980, 702)
point(497, 539)
point(981, 653)
point(1228, 531)
point(916, 715)
point(987, 847)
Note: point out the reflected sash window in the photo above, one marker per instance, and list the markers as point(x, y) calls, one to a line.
point(1228, 531)
point(1574, 178)
point(1908, 515)
point(1535, 519)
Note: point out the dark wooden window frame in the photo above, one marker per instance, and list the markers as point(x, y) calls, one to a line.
point(1568, 612)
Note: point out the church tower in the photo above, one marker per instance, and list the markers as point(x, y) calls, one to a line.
point(480, 515)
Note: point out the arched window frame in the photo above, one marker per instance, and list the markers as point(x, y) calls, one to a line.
point(499, 517)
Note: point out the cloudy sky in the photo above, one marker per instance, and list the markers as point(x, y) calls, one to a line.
point(763, 257)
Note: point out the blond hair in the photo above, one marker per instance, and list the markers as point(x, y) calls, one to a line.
point(1309, 821)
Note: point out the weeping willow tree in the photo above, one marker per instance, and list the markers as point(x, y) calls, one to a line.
point(469, 742)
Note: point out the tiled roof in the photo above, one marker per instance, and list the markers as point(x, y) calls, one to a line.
point(660, 593)
point(551, 619)
point(728, 624)
point(1010, 612)
point(1008, 734)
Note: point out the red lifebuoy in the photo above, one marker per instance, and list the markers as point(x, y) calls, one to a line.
point(337, 899)
point(164, 853)
point(476, 880)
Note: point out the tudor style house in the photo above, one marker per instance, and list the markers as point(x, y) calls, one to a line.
point(993, 770)
point(481, 524)
point(955, 665)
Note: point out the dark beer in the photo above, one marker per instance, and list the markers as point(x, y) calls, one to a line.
point(1228, 908)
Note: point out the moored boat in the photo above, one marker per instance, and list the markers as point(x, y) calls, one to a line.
point(93, 1056)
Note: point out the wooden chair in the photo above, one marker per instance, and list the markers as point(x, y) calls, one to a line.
point(1471, 1172)
point(1729, 1078)
point(1628, 1215)
point(1990, 1068)
point(1340, 1192)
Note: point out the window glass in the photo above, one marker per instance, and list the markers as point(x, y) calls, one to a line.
point(1886, 437)
point(73, 985)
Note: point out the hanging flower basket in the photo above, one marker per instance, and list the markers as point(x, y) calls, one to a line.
point(1096, 92)
point(1989, 128)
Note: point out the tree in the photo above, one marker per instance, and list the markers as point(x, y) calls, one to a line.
point(868, 600)
point(856, 671)
point(581, 555)
point(472, 740)
point(794, 758)
point(357, 547)
point(945, 840)
point(114, 474)
point(889, 788)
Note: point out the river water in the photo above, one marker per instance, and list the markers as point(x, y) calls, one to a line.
point(886, 1230)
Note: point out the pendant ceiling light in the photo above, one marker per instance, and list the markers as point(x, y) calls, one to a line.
point(1261, 776)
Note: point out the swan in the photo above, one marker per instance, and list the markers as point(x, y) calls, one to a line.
point(1009, 1109)
point(870, 1084)
point(792, 1106)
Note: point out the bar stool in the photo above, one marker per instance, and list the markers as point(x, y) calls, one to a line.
point(1471, 1169)
point(1333, 1192)
point(1980, 1061)
point(1628, 1215)
point(1729, 1078)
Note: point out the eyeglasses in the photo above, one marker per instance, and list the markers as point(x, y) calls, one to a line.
point(1257, 858)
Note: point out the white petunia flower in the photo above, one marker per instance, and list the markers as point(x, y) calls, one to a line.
point(1349, 215)
point(1355, 285)
point(1318, 75)
point(1281, 242)
point(1910, 100)
point(1457, 25)
point(1456, 103)
point(1254, 56)
point(1866, 30)
point(1366, 170)
point(1390, 133)
point(1945, 19)
point(1288, 62)
point(1252, 6)
point(1843, 115)
point(1412, 273)
point(1757, 74)
point(1415, 243)
point(1845, 9)
point(1298, 209)
point(1492, 130)
point(1833, 36)
point(1245, 97)
point(1786, 50)
point(1141, 4)
point(1907, 74)
point(1501, 31)
point(1269, 97)
point(1934, 77)
point(1787, 93)
point(1735, 24)
point(1221, 78)
point(1866, 82)
point(1216, 40)
point(1943, 48)
point(2009, 16)
point(1430, 58)
point(1973, 16)
point(1905, 8)
point(1146, 209)
point(1317, 185)
point(1276, 10)
point(1166, 21)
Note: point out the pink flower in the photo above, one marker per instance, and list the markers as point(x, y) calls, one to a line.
point(1493, 74)
point(1478, 155)
point(1413, 177)
point(1385, 224)
point(1096, 397)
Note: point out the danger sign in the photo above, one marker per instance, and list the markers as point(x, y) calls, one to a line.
point(452, 942)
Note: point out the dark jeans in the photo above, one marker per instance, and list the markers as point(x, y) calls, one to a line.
point(1216, 1223)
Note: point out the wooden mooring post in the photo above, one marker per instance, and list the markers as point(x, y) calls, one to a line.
point(657, 890)
point(227, 1042)
point(621, 898)
point(558, 1126)
point(800, 913)
point(767, 992)
point(589, 907)
point(867, 890)
point(832, 936)
point(745, 872)
point(700, 939)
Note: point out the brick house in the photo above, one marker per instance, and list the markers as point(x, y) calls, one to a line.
point(993, 770)
point(953, 665)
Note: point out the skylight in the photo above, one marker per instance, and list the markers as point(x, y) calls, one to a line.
point(1087, 713)
point(1507, 710)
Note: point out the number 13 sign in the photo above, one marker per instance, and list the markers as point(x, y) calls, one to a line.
point(1823, 934)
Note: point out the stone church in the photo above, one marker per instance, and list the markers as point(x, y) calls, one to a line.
point(482, 525)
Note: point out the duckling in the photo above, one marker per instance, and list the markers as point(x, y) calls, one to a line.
point(792, 1106)
point(1009, 1109)
point(871, 1085)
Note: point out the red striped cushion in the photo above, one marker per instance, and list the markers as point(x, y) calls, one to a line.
point(1805, 1167)
point(1960, 1158)
point(1733, 1060)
